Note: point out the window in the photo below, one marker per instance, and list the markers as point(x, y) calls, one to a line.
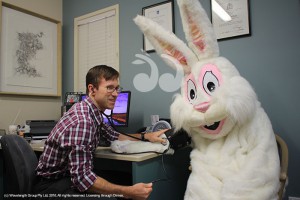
point(96, 41)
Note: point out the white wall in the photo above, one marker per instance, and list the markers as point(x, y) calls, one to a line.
point(31, 107)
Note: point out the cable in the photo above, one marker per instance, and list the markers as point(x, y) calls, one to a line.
point(113, 126)
point(165, 172)
point(109, 118)
point(162, 154)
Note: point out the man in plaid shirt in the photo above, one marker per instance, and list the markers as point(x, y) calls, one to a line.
point(66, 164)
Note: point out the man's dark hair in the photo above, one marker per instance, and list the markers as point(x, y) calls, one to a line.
point(95, 74)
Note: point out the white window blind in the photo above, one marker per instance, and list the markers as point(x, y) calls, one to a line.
point(96, 42)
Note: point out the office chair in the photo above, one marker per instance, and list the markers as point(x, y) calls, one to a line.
point(20, 162)
point(284, 159)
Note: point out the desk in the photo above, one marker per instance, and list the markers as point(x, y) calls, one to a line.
point(145, 168)
point(105, 152)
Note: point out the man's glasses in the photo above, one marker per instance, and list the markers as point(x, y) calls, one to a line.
point(111, 89)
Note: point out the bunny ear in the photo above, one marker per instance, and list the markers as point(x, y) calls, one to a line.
point(167, 43)
point(198, 29)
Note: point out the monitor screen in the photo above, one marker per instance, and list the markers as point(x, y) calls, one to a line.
point(83, 97)
point(119, 116)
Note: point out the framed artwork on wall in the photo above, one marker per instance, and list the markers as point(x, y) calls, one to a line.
point(230, 18)
point(30, 53)
point(162, 13)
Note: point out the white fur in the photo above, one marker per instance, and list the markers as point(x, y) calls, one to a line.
point(238, 160)
point(129, 147)
point(152, 31)
point(197, 14)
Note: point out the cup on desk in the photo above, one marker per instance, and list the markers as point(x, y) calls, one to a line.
point(12, 129)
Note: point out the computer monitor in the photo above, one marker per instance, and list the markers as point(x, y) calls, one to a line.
point(119, 116)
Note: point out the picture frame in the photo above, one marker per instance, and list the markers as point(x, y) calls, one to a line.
point(163, 14)
point(239, 23)
point(30, 53)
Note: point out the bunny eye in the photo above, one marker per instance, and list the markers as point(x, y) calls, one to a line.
point(210, 82)
point(191, 91)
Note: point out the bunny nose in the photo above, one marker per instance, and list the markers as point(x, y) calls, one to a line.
point(202, 107)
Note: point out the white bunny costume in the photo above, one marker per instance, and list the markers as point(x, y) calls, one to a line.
point(235, 155)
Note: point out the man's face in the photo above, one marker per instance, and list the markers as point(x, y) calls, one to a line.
point(102, 97)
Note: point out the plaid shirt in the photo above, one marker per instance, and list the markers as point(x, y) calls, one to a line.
point(69, 148)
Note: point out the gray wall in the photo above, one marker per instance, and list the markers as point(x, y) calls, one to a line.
point(269, 59)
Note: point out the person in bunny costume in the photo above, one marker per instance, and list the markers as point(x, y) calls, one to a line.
point(234, 154)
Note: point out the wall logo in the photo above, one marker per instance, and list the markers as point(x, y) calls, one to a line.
point(167, 82)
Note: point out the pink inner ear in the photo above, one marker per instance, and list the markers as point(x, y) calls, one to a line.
point(173, 52)
point(177, 55)
point(196, 34)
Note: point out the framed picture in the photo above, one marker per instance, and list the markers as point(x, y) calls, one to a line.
point(162, 13)
point(30, 53)
point(230, 18)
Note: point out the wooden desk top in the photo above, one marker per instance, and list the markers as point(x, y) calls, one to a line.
point(105, 152)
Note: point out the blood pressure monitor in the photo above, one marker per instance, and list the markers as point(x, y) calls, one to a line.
point(160, 125)
point(178, 139)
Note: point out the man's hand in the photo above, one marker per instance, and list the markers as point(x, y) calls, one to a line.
point(155, 136)
point(139, 191)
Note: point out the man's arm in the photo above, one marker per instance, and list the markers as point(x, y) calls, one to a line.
point(152, 136)
point(137, 191)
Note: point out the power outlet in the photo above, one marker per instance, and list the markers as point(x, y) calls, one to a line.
point(294, 198)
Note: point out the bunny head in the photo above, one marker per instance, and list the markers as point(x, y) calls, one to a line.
point(214, 97)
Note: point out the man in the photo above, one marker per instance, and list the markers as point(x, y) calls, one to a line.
point(66, 165)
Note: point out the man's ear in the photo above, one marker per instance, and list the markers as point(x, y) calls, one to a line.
point(91, 89)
